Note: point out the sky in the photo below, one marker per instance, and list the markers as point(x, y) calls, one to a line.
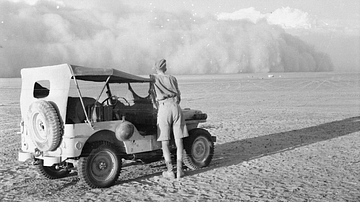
point(195, 36)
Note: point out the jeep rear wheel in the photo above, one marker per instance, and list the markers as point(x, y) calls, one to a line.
point(51, 172)
point(101, 168)
point(199, 149)
point(44, 125)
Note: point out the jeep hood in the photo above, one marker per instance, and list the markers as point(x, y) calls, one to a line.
point(193, 114)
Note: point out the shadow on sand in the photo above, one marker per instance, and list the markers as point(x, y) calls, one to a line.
point(233, 153)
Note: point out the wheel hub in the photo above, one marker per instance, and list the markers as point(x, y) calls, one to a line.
point(200, 151)
point(39, 128)
point(102, 165)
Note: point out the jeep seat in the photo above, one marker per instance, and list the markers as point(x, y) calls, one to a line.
point(74, 110)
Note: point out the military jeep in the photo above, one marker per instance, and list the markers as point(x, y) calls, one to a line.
point(93, 119)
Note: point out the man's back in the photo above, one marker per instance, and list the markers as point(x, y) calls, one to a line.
point(165, 86)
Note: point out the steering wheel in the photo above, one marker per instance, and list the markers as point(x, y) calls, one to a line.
point(127, 102)
point(112, 100)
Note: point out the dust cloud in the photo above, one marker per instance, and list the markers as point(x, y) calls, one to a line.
point(132, 39)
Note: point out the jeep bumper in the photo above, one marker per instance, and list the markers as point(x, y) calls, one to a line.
point(47, 160)
point(23, 156)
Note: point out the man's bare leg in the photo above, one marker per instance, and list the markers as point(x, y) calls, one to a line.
point(166, 153)
point(179, 156)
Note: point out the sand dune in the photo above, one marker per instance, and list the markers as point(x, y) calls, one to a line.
point(291, 137)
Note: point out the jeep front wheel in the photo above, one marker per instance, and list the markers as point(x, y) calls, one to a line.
point(199, 149)
point(101, 168)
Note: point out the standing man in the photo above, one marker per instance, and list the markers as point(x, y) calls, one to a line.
point(170, 117)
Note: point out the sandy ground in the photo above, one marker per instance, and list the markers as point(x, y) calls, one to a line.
point(293, 137)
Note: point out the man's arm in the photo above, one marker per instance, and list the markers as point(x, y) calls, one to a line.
point(178, 93)
point(152, 92)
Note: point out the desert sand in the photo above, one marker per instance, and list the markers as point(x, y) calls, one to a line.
point(290, 137)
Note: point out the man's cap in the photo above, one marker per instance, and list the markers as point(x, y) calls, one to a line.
point(161, 64)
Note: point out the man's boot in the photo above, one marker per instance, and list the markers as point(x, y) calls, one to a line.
point(179, 171)
point(169, 173)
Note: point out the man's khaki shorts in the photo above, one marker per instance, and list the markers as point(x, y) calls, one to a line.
point(169, 118)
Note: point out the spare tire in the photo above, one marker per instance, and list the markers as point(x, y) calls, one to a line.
point(44, 125)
